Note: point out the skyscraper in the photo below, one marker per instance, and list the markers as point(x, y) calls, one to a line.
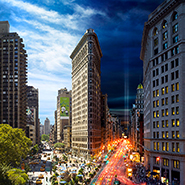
point(46, 126)
point(13, 78)
point(33, 103)
point(64, 116)
point(163, 54)
point(86, 95)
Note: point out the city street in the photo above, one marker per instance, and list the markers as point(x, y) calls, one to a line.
point(115, 167)
point(35, 168)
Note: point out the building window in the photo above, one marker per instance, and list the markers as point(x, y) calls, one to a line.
point(165, 24)
point(166, 112)
point(155, 31)
point(167, 146)
point(162, 79)
point(154, 83)
point(157, 124)
point(165, 35)
point(154, 104)
point(166, 101)
point(177, 86)
point(177, 147)
point(166, 78)
point(155, 42)
point(176, 62)
point(166, 89)
point(177, 98)
point(162, 101)
point(177, 134)
point(163, 134)
point(173, 99)
point(172, 87)
point(177, 110)
point(162, 112)
point(154, 145)
point(157, 145)
point(157, 92)
point(165, 162)
point(157, 103)
point(172, 64)
point(173, 122)
point(165, 45)
point(156, 51)
point(166, 65)
point(167, 135)
point(163, 146)
point(153, 73)
point(175, 28)
point(176, 164)
point(177, 122)
point(173, 147)
point(176, 74)
point(162, 69)
point(163, 124)
point(175, 16)
point(153, 134)
point(173, 111)
point(157, 134)
point(173, 134)
point(157, 113)
point(172, 76)
point(166, 123)
point(154, 94)
point(162, 91)
point(154, 124)
point(154, 114)
point(175, 39)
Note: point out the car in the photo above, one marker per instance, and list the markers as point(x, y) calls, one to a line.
point(44, 161)
point(38, 181)
point(48, 158)
point(45, 155)
point(42, 169)
point(41, 176)
point(43, 165)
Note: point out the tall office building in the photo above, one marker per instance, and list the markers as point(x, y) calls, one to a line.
point(46, 126)
point(86, 95)
point(64, 116)
point(33, 104)
point(13, 78)
point(163, 54)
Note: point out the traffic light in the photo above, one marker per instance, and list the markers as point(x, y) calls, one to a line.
point(158, 159)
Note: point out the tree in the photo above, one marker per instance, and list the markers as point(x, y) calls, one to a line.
point(35, 149)
point(14, 145)
point(59, 145)
point(17, 176)
point(45, 137)
point(3, 175)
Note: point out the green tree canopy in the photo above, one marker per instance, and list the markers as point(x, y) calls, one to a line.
point(17, 176)
point(44, 137)
point(59, 145)
point(14, 145)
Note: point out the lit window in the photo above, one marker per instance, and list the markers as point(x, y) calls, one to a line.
point(176, 164)
point(177, 122)
point(165, 45)
point(165, 162)
point(177, 110)
point(166, 123)
point(166, 101)
point(157, 124)
point(166, 112)
point(162, 90)
point(177, 147)
point(165, 24)
point(162, 102)
point(158, 114)
point(162, 112)
point(173, 134)
point(175, 16)
point(154, 124)
point(173, 122)
point(173, 87)
point(154, 114)
point(157, 145)
point(157, 92)
point(166, 89)
point(154, 94)
point(157, 103)
point(175, 39)
point(173, 99)
point(167, 135)
point(173, 147)
point(165, 35)
point(154, 103)
point(167, 146)
point(163, 124)
point(154, 145)
point(163, 146)
point(163, 134)
point(177, 134)
point(177, 86)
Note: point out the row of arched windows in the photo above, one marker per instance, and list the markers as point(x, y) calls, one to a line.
point(165, 23)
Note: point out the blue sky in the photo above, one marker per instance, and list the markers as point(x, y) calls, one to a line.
point(52, 28)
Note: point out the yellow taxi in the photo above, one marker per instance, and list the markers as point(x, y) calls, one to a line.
point(45, 155)
point(48, 158)
point(38, 181)
point(41, 176)
point(42, 169)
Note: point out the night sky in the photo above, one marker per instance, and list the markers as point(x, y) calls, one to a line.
point(51, 29)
